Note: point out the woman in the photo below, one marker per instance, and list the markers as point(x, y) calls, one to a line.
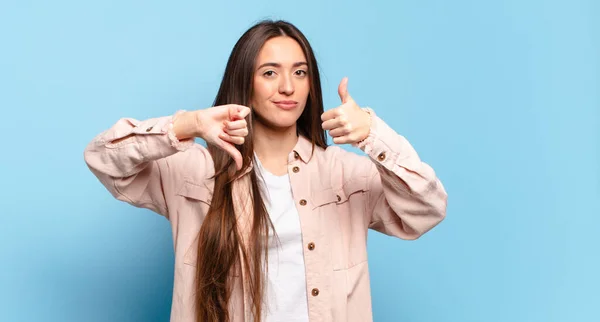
point(270, 224)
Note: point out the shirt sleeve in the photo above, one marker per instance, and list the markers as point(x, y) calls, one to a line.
point(405, 197)
point(130, 160)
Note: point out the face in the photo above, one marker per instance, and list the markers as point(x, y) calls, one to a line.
point(281, 83)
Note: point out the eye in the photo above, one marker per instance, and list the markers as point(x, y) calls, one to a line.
point(269, 73)
point(300, 72)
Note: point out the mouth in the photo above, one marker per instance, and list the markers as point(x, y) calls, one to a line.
point(286, 104)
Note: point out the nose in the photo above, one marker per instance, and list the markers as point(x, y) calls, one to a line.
point(286, 85)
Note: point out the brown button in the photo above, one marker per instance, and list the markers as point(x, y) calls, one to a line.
point(381, 156)
point(296, 155)
point(339, 198)
point(311, 246)
point(149, 129)
point(296, 169)
point(315, 292)
point(303, 202)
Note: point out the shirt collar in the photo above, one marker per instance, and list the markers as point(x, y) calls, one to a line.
point(302, 151)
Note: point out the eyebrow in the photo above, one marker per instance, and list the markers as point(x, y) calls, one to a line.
point(277, 65)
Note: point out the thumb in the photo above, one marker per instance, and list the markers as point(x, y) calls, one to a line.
point(232, 151)
point(343, 90)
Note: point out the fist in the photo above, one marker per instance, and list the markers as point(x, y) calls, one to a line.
point(224, 126)
point(347, 123)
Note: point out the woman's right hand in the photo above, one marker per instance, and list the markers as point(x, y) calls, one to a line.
point(223, 126)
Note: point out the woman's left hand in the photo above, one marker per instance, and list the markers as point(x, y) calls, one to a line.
point(347, 123)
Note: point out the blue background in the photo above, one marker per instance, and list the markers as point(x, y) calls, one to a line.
point(500, 97)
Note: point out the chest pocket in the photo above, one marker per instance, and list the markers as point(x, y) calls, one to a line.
point(337, 196)
point(199, 197)
point(195, 192)
point(343, 213)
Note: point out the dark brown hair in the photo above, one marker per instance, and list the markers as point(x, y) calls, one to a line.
point(220, 241)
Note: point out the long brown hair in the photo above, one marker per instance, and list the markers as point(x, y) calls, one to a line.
point(220, 240)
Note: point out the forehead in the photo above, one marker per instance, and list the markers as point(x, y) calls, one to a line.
point(282, 50)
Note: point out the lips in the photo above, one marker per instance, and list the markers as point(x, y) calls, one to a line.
point(286, 104)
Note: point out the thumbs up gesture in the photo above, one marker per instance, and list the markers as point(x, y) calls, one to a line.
point(347, 123)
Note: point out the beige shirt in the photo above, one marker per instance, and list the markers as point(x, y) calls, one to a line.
point(339, 196)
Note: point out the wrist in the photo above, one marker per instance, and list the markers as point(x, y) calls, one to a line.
point(367, 126)
point(185, 125)
point(197, 118)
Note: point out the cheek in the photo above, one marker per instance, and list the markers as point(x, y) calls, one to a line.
point(304, 89)
point(263, 90)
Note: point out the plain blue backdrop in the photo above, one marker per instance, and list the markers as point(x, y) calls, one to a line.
point(500, 97)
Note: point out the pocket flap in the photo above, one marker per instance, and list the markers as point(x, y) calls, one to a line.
point(351, 187)
point(323, 197)
point(195, 191)
point(338, 196)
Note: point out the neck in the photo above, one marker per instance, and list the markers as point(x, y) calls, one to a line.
point(273, 145)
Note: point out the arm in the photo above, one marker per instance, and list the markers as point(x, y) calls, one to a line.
point(405, 199)
point(131, 158)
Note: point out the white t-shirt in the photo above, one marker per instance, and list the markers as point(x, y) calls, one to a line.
point(286, 298)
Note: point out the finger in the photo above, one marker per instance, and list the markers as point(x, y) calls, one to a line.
point(331, 114)
point(334, 123)
point(238, 140)
point(340, 131)
point(232, 151)
point(239, 132)
point(238, 112)
point(244, 111)
point(234, 112)
point(342, 139)
point(236, 125)
point(329, 124)
point(343, 90)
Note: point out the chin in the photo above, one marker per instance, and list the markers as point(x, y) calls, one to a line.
point(279, 120)
point(281, 123)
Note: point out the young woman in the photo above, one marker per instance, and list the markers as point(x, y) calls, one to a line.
point(269, 223)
